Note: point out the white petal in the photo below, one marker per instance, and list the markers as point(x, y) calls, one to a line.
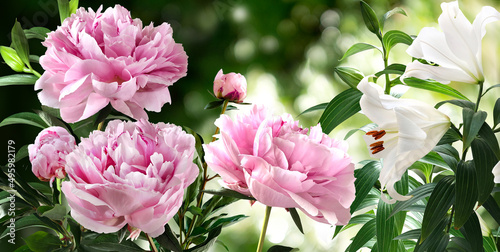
point(496, 172)
point(438, 73)
point(372, 105)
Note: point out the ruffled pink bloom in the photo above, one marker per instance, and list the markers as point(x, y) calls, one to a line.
point(133, 173)
point(47, 155)
point(231, 86)
point(274, 160)
point(97, 58)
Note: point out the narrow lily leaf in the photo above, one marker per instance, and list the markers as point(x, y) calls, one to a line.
point(20, 43)
point(489, 244)
point(412, 234)
point(488, 136)
point(437, 241)
point(18, 79)
point(493, 209)
point(36, 32)
point(279, 248)
point(390, 13)
point(465, 192)
point(434, 86)
point(418, 194)
point(25, 118)
point(63, 9)
point(399, 218)
point(394, 37)
point(9, 55)
point(449, 154)
point(340, 108)
point(385, 227)
point(496, 113)
point(351, 76)
point(296, 218)
point(440, 201)
point(490, 88)
point(484, 161)
point(321, 106)
point(365, 129)
point(392, 69)
point(434, 159)
point(452, 135)
point(472, 233)
point(370, 18)
point(460, 103)
point(473, 121)
point(366, 177)
point(358, 47)
point(73, 6)
point(366, 233)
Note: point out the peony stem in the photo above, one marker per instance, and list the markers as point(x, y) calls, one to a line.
point(152, 243)
point(264, 229)
point(224, 107)
point(58, 186)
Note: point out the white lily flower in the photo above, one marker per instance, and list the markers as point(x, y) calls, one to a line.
point(496, 173)
point(407, 130)
point(456, 50)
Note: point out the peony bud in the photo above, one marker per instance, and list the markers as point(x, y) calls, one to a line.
point(231, 86)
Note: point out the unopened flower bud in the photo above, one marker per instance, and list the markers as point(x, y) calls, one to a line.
point(231, 86)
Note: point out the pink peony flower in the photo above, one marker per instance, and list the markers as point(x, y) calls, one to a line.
point(274, 160)
point(231, 86)
point(132, 173)
point(47, 154)
point(97, 58)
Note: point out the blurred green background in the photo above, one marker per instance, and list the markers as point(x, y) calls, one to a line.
point(286, 49)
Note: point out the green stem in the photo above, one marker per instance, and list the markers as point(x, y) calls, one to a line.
point(36, 73)
point(58, 186)
point(264, 229)
point(151, 243)
point(100, 125)
point(479, 95)
point(387, 80)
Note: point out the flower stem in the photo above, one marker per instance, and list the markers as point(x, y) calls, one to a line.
point(479, 95)
point(100, 125)
point(151, 243)
point(58, 186)
point(264, 229)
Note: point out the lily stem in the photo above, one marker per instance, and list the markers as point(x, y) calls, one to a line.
point(264, 229)
point(151, 243)
point(479, 95)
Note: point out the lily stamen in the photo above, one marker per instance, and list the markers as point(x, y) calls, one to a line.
point(377, 147)
point(377, 134)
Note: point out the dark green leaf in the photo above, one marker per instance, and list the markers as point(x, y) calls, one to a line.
point(370, 18)
point(24, 118)
point(434, 86)
point(412, 234)
point(23, 248)
point(351, 76)
point(490, 88)
point(472, 233)
point(493, 209)
point(114, 246)
point(279, 248)
point(440, 201)
point(20, 43)
point(365, 129)
point(392, 69)
point(459, 103)
point(321, 106)
point(496, 113)
point(63, 9)
point(487, 135)
point(473, 121)
point(296, 218)
point(229, 193)
point(22, 153)
point(358, 47)
point(227, 221)
point(484, 161)
point(25, 222)
point(437, 240)
point(489, 244)
point(58, 212)
point(434, 158)
point(340, 108)
point(452, 135)
point(386, 227)
point(390, 13)
point(449, 154)
point(214, 104)
point(366, 233)
point(36, 32)
point(10, 57)
point(168, 240)
point(18, 79)
point(394, 37)
point(205, 245)
point(76, 230)
point(418, 194)
point(42, 241)
point(365, 179)
point(465, 192)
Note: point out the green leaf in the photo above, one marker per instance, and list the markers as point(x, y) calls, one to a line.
point(279, 248)
point(472, 233)
point(351, 76)
point(484, 161)
point(493, 209)
point(75, 230)
point(434, 86)
point(473, 121)
point(437, 240)
point(25, 118)
point(449, 154)
point(229, 193)
point(205, 245)
point(37, 33)
point(452, 135)
point(394, 37)
point(296, 218)
point(25, 222)
point(366, 233)
point(73, 6)
point(370, 18)
point(490, 88)
point(418, 194)
point(42, 241)
point(214, 104)
point(440, 201)
point(58, 212)
point(366, 177)
point(487, 135)
point(412, 234)
point(390, 13)
point(465, 192)
point(434, 158)
point(22, 153)
point(18, 79)
point(392, 69)
point(496, 113)
point(10, 57)
point(385, 226)
point(340, 108)
point(63, 6)
point(357, 48)
point(459, 103)
point(168, 240)
point(20, 43)
point(321, 106)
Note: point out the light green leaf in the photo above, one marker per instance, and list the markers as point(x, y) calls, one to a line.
point(365, 179)
point(465, 192)
point(392, 69)
point(25, 118)
point(10, 57)
point(63, 6)
point(36, 32)
point(20, 43)
point(385, 227)
point(440, 201)
point(394, 37)
point(370, 18)
point(473, 121)
point(390, 13)
point(340, 108)
point(321, 106)
point(73, 6)
point(434, 86)
point(366, 233)
point(351, 76)
point(365, 129)
point(357, 48)
point(18, 79)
